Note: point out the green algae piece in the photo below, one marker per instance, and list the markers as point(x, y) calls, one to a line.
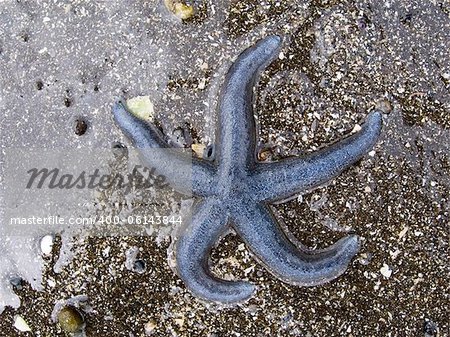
point(181, 10)
point(141, 107)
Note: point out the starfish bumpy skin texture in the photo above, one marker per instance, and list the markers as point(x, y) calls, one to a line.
point(235, 189)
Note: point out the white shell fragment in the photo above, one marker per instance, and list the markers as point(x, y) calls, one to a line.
point(386, 271)
point(47, 244)
point(20, 324)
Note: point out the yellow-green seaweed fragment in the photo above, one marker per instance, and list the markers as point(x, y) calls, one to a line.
point(180, 9)
point(141, 107)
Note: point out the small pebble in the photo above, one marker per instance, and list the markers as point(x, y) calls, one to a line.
point(150, 327)
point(265, 154)
point(384, 106)
point(365, 258)
point(139, 266)
point(80, 126)
point(357, 128)
point(430, 328)
point(180, 137)
point(403, 232)
point(70, 319)
point(119, 150)
point(16, 282)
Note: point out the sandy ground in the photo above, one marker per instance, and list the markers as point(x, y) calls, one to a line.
point(63, 60)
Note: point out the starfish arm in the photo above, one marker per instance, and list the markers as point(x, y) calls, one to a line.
point(236, 138)
point(284, 178)
point(186, 174)
point(192, 250)
point(292, 264)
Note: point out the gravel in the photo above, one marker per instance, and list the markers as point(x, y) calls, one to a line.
point(64, 63)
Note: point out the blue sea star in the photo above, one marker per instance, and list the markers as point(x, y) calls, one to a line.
point(235, 189)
